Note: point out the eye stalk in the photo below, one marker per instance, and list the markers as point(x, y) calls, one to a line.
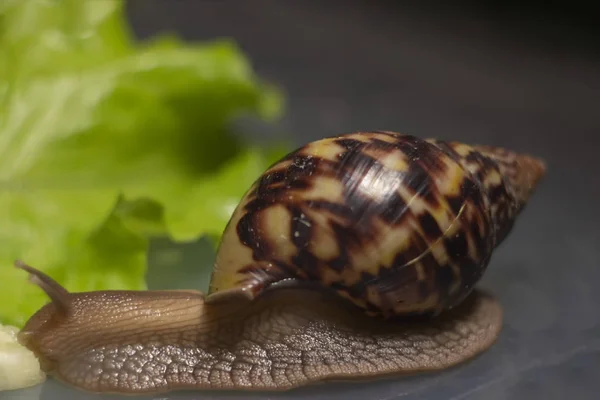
point(58, 294)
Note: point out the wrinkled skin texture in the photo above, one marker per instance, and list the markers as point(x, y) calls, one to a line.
point(160, 341)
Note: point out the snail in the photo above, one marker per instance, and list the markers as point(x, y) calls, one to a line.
point(353, 257)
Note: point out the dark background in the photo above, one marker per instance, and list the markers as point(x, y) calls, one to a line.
point(519, 74)
point(525, 75)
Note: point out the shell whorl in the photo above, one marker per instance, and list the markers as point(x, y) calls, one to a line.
point(397, 224)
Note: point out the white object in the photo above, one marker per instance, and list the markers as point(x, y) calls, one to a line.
point(19, 368)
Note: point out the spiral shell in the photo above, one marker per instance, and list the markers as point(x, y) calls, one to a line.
point(396, 224)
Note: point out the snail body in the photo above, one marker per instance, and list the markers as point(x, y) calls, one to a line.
point(353, 256)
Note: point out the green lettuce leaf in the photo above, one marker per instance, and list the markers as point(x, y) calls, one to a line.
point(206, 204)
point(105, 143)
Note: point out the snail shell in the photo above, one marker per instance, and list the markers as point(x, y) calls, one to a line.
point(396, 224)
point(324, 253)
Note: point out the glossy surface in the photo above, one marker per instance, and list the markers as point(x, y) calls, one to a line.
point(479, 79)
point(396, 224)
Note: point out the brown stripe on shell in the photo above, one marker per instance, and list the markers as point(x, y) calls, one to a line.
point(421, 183)
point(438, 277)
point(508, 178)
point(249, 232)
point(429, 225)
point(422, 153)
point(447, 148)
point(349, 144)
point(383, 146)
point(347, 239)
point(457, 245)
point(338, 209)
point(464, 242)
point(395, 212)
point(301, 234)
point(375, 202)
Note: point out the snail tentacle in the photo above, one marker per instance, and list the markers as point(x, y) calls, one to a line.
point(57, 293)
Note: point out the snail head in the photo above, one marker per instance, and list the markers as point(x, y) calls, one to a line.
point(42, 330)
